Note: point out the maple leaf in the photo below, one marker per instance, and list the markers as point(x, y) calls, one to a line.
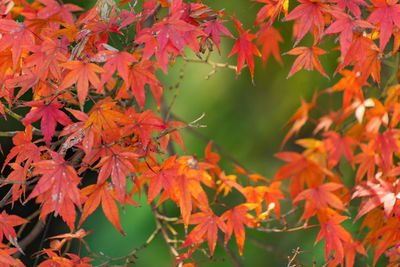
point(307, 59)
point(301, 170)
point(213, 28)
point(387, 145)
point(6, 258)
point(271, 10)
point(386, 236)
point(345, 25)
point(226, 182)
point(49, 114)
point(236, 219)
point(161, 177)
point(7, 223)
point(367, 160)
point(336, 146)
point(366, 58)
point(54, 260)
point(102, 124)
point(269, 38)
point(23, 149)
point(118, 165)
point(351, 84)
point(352, 6)
point(81, 73)
point(57, 244)
point(63, 11)
point(18, 175)
point(380, 192)
point(175, 133)
point(16, 36)
point(143, 125)
point(139, 75)
point(245, 49)
point(299, 118)
point(335, 235)
point(272, 196)
point(114, 60)
point(58, 187)
point(102, 193)
point(385, 15)
point(308, 14)
point(173, 35)
point(206, 229)
point(318, 198)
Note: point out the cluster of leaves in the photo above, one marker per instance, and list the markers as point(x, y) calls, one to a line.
point(88, 92)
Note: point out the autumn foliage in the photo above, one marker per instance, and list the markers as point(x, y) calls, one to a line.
point(82, 101)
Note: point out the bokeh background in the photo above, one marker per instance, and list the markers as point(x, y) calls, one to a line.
point(245, 121)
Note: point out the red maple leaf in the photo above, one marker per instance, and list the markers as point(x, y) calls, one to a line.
point(7, 223)
point(213, 28)
point(352, 6)
point(271, 10)
point(173, 35)
point(63, 11)
point(318, 198)
point(114, 60)
point(23, 149)
point(385, 15)
point(16, 35)
point(308, 14)
point(49, 114)
point(6, 258)
point(307, 59)
point(245, 49)
point(57, 188)
point(365, 56)
point(337, 146)
point(386, 144)
point(139, 75)
point(206, 229)
point(345, 25)
point(117, 164)
point(335, 235)
point(301, 170)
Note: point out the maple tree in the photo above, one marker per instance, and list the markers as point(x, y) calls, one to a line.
point(61, 65)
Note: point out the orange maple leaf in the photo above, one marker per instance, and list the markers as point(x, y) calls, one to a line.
point(81, 74)
point(236, 219)
point(206, 229)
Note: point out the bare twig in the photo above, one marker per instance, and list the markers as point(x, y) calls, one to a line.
point(296, 252)
point(213, 64)
point(129, 259)
point(193, 124)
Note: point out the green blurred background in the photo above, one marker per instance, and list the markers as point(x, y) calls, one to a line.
point(247, 122)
